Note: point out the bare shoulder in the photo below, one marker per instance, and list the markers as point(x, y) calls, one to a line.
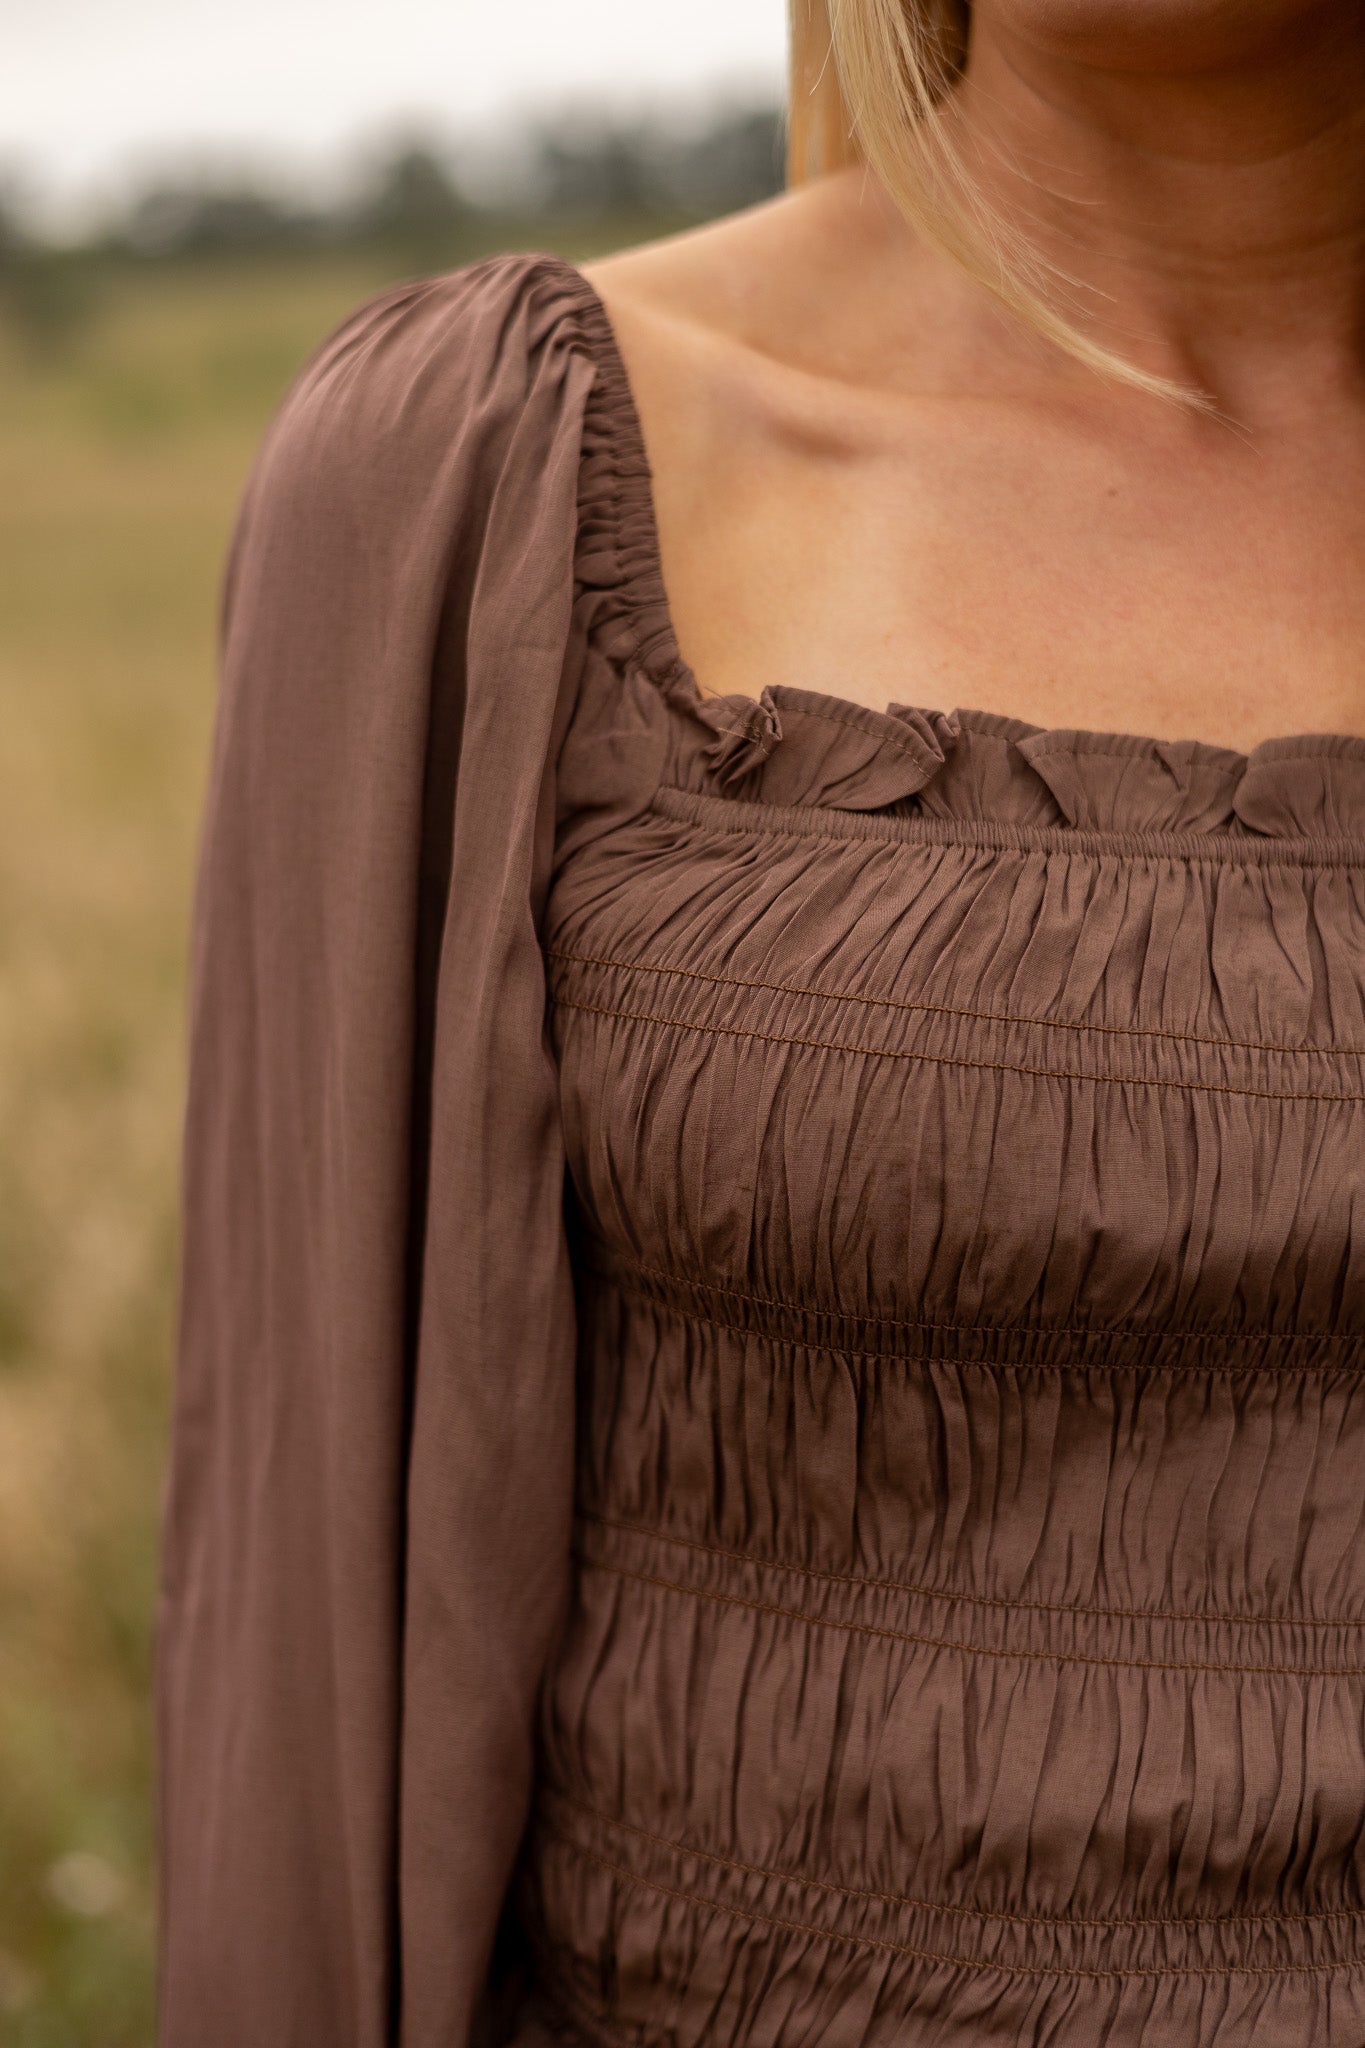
point(768, 279)
point(746, 330)
point(741, 276)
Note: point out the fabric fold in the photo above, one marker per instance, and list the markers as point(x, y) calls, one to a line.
point(804, 747)
point(1313, 786)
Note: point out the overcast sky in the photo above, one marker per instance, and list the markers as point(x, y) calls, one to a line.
point(92, 91)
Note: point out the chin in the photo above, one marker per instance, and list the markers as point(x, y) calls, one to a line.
point(1170, 35)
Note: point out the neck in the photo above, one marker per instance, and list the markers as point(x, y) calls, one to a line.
point(1210, 212)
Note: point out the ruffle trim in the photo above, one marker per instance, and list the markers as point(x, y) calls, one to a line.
point(797, 746)
point(800, 747)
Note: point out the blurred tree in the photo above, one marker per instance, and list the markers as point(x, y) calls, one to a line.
point(607, 168)
point(737, 158)
point(414, 204)
point(14, 236)
point(586, 163)
point(577, 171)
point(196, 217)
point(48, 297)
point(413, 190)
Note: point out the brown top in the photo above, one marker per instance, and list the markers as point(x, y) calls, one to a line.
point(772, 1289)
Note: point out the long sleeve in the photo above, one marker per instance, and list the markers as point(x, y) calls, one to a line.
point(366, 1515)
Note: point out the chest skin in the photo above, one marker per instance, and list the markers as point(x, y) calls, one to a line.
point(843, 505)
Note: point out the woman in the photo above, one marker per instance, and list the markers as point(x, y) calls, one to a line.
point(768, 1440)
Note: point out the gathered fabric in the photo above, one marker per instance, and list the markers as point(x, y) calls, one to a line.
point(888, 1560)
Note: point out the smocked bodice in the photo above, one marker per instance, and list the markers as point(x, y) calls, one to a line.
point(769, 1431)
point(964, 1126)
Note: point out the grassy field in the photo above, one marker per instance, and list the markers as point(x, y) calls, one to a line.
point(123, 455)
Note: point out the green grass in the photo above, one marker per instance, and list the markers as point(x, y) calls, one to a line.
point(123, 454)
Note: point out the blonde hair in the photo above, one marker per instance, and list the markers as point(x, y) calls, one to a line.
point(866, 84)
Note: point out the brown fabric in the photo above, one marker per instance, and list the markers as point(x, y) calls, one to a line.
point(772, 1303)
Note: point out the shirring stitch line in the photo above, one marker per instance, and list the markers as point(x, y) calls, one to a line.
point(1228, 1367)
point(846, 1891)
point(934, 1956)
point(922, 1592)
point(829, 995)
point(615, 1267)
point(954, 1010)
point(698, 807)
point(960, 1648)
point(947, 1060)
point(1062, 739)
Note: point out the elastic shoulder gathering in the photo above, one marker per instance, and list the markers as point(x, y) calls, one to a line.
point(506, 365)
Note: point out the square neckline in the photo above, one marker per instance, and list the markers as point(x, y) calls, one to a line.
point(637, 471)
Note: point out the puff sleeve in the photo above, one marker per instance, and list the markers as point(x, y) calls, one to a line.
point(364, 1555)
